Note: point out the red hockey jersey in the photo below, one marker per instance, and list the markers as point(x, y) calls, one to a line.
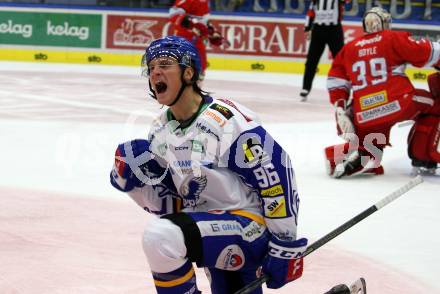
point(193, 7)
point(373, 67)
point(189, 19)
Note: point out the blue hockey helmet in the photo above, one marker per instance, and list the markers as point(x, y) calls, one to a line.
point(176, 47)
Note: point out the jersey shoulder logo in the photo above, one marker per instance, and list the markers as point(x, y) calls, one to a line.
point(230, 103)
point(254, 152)
point(222, 110)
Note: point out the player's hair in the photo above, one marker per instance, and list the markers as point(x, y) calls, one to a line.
point(376, 19)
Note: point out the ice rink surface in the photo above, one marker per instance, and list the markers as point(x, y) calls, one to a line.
point(64, 229)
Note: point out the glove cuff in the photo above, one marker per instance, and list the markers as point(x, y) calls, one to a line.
point(342, 103)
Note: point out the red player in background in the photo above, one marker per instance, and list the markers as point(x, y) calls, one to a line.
point(372, 68)
point(190, 19)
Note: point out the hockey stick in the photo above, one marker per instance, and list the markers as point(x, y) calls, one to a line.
point(339, 230)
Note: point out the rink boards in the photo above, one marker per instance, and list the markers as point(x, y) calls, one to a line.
point(118, 37)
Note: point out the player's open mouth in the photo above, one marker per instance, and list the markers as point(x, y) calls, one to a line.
point(161, 87)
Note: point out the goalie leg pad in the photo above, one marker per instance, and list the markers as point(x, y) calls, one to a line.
point(346, 160)
point(424, 139)
point(335, 154)
point(434, 84)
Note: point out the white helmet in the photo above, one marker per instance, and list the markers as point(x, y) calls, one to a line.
point(376, 19)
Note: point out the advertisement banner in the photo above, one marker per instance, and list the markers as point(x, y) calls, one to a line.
point(134, 31)
point(247, 37)
point(256, 43)
point(50, 29)
point(269, 39)
point(262, 38)
point(432, 33)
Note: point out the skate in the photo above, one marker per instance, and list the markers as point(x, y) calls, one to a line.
point(304, 94)
point(423, 168)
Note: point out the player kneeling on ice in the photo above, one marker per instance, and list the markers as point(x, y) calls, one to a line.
point(372, 67)
point(223, 188)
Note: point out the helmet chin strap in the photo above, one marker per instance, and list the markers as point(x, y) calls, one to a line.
point(182, 88)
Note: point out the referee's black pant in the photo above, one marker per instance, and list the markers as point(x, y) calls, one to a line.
point(333, 36)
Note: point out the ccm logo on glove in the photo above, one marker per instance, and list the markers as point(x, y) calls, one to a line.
point(284, 262)
point(280, 252)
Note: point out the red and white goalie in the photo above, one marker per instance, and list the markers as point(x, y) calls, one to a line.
point(371, 92)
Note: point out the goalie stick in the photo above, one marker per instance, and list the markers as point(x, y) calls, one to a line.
point(339, 230)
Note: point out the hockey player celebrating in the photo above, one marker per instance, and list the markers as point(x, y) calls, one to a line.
point(224, 189)
point(372, 68)
point(189, 19)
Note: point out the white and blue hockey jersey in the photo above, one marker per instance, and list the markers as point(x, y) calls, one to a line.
point(223, 160)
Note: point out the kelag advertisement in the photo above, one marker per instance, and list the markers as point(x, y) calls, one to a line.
point(51, 29)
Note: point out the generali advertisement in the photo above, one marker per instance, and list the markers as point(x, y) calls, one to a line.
point(247, 36)
point(134, 31)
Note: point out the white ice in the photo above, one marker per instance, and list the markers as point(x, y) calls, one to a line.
point(64, 229)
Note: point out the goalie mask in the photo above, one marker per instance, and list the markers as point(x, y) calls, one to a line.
point(375, 20)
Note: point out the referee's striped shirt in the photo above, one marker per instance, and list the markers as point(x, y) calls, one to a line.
point(324, 12)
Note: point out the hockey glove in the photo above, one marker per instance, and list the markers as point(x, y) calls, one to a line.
point(199, 28)
point(215, 38)
point(284, 262)
point(127, 161)
point(193, 26)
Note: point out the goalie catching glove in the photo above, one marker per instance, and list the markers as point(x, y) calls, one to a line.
point(284, 262)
